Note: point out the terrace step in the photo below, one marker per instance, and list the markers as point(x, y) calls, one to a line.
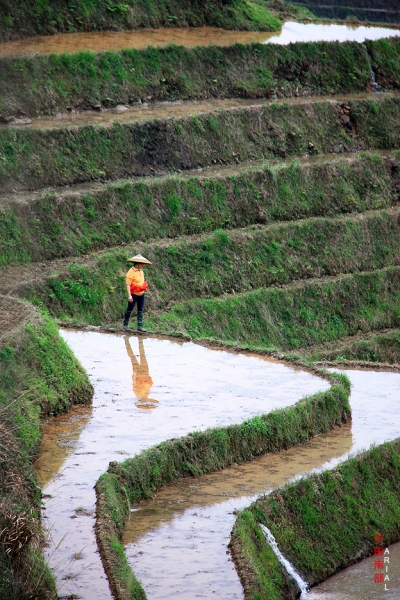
point(32, 158)
point(211, 265)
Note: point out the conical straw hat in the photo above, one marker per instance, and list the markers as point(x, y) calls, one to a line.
point(139, 259)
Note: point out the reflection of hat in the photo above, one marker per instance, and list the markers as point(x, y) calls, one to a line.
point(139, 259)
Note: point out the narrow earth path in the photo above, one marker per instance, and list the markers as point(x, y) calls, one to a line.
point(14, 279)
point(146, 391)
point(167, 110)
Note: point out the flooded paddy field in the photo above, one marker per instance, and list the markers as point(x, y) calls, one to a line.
point(149, 390)
point(177, 542)
point(146, 391)
point(191, 36)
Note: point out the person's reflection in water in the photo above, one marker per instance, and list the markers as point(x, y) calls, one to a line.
point(141, 380)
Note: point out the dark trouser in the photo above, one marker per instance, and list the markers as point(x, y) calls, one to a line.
point(139, 300)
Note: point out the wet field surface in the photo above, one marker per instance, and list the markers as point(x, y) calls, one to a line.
point(177, 542)
point(149, 390)
point(146, 391)
point(357, 582)
point(192, 36)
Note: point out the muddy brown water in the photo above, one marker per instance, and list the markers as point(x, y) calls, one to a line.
point(146, 391)
point(177, 542)
point(190, 37)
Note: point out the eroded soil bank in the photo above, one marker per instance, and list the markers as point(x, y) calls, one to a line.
point(176, 543)
point(95, 41)
point(146, 391)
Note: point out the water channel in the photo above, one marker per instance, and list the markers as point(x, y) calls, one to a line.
point(192, 36)
point(148, 390)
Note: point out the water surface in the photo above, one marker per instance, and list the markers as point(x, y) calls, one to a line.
point(192, 36)
point(357, 582)
point(146, 391)
point(177, 542)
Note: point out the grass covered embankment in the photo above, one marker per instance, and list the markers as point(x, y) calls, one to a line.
point(354, 11)
point(92, 292)
point(322, 523)
point(292, 317)
point(19, 18)
point(202, 452)
point(381, 347)
point(55, 224)
point(34, 158)
point(45, 84)
point(385, 61)
point(39, 377)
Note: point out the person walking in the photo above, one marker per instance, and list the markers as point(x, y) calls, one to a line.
point(136, 287)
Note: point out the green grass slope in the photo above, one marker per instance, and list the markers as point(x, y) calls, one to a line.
point(296, 316)
point(93, 292)
point(39, 377)
point(44, 84)
point(375, 347)
point(307, 518)
point(19, 18)
point(35, 158)
point(55, 224)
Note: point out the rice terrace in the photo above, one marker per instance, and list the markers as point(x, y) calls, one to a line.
point(200, 300)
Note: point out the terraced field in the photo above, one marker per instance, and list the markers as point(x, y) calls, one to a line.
point(270, 208)
point(380, 11)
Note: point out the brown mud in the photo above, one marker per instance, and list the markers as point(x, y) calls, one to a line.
point(192, 36)
point(14, 313)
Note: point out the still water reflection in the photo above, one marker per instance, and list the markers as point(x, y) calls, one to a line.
point(141, 380)
point(191, 36)
point(176, 543)
point(195, 388)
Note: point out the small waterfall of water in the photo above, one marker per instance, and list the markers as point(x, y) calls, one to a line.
point(374, 84)
point(127, 498)
point(286, 564)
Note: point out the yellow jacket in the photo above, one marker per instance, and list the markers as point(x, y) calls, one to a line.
point(135, 276)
